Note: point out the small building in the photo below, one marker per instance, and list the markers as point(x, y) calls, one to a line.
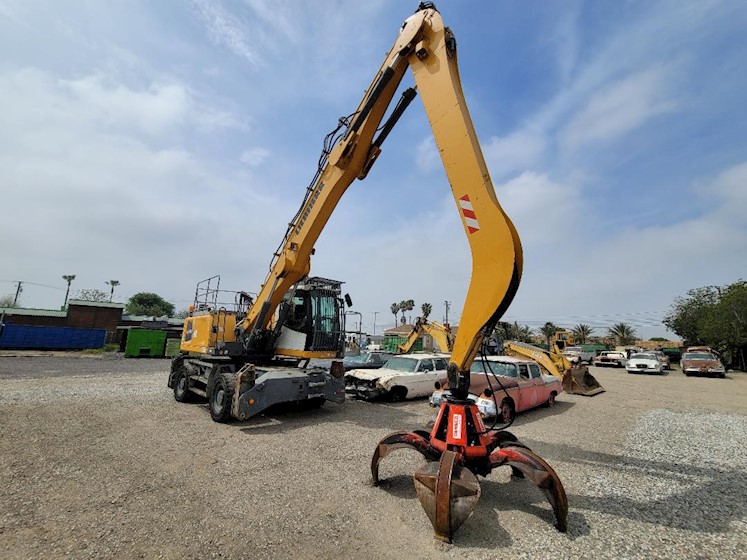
point(80, 314)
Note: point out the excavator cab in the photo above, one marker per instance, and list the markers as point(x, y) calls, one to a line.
point(311, 321)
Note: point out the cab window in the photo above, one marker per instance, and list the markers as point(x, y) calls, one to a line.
point(523, 371)
point(440, 363)
point(535, 371)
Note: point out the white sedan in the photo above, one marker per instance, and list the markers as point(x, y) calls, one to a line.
point(644, 363)
point(405, 376)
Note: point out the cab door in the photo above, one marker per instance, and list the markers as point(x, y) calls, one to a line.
point(527, 388)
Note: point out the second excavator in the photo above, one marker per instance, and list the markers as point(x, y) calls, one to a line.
point(575, 377)
point(440, 332)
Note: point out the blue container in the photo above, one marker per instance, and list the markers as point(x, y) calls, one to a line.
point(51, 338)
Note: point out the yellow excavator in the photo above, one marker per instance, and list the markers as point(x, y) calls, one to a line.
point(440, 332)
point(575, 377)
point(292, 318)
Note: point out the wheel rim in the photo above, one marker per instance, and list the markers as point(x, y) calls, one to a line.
point(506, 412)
point(181, 385)
point(219, 398)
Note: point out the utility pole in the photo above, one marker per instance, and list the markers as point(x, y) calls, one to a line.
point(375, 313)
point(18, 292)
point(447, 304)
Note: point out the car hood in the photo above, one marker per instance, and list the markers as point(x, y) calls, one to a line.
point(371, 375)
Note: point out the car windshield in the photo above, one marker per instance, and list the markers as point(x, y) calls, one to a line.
point(698, 356)
point(498, 368)
point(360, 359)
point(401, 364)
point(643, 357)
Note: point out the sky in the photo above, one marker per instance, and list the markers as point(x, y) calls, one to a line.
point(161, 143)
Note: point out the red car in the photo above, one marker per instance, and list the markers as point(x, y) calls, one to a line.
point(520, 385)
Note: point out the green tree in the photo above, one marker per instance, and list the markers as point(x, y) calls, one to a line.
point(688, 316)
point(145, 303)
point(713, 316)
point(623, 333)
point(582, 332)
point(92, 294)
point(513, 331)
point(394, 308)
point(657, 339)
point(426, 309)
point(548, 330)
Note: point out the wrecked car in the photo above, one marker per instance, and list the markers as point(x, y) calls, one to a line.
point(406, 376)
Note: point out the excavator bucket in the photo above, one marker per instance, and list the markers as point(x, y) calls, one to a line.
point(448, 493)
point(578, 381)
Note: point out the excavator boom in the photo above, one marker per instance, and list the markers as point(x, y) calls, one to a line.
point(439, 332)
point(576, 379)
point(428, 49)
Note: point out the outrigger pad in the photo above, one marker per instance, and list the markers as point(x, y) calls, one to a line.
point(401, 440)
point(540, 473)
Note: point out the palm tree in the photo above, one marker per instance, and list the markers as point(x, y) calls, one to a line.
point(406, 305)
point(68, 278)
point(426, 309)
point(394, 308)
point(623, 333)
point(522, 333)
point(112, 283)
point(548, 330)
point(582, 332)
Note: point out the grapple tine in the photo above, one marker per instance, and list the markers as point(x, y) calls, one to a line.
point(448, 493)
point(540, 473)
point(401, 440)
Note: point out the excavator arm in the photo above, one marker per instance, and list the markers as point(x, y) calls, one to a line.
point(428, 49)
point(439, 332)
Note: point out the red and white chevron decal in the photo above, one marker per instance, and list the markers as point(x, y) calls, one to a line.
point(468, 212)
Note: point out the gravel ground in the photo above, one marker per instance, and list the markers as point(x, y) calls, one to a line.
point(98, 461)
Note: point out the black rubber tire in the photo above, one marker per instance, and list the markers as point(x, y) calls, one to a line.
point(220, 397)
point(551, 401)
point(312, 403)
point(398, 394)
point(507, 412)
point(182, 393)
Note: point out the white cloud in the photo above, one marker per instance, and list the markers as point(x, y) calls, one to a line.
point(254, 156)
point(159, 107)
point(426, 155)
point(226, 29)
point(85, 193)
point(620, 108)
point(730, 189)
point(542, 210)
point(519, 151)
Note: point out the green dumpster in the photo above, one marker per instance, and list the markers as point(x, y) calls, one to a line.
point(145, 342)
